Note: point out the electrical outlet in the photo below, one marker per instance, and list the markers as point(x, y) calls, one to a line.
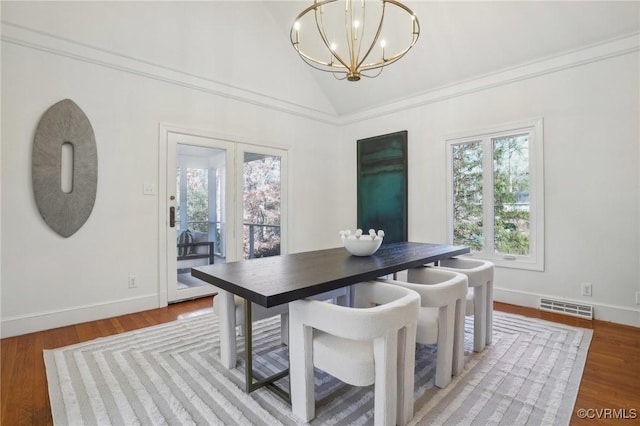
point(587, 289)
point(133, 281)
point(637, 297)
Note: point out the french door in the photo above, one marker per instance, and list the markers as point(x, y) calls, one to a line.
point(262, 179)
point(200, 206)
point(223, 201)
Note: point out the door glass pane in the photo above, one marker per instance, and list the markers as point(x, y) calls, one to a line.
point(511, 194)
point(200, 232)
point(262, 209)
point(467, 195)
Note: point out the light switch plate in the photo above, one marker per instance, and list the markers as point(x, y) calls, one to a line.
point(149, 189)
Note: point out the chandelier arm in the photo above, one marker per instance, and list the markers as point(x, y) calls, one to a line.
point(352, 36)
point(354, 71)
point(380, 69)
point(320, 27)
point(306, 58)
point(391, 59)
point(362, 17)
point(415, 35)
point(348, 30)
point(314, 7)
point(397, 3)
point(333, 68)
point(323, 35)
point(375, 39)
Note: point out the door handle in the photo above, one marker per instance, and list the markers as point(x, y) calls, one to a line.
point(172, 217)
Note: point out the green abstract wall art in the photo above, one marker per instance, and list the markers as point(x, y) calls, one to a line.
point(382, 185)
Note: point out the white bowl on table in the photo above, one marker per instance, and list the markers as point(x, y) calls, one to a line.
point(362, 245)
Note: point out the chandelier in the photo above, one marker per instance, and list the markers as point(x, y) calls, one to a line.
point(349, 38)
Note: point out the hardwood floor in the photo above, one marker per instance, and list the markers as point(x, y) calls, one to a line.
point(610, 382)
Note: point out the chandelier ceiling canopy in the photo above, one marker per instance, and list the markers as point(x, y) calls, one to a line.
point(354, 38)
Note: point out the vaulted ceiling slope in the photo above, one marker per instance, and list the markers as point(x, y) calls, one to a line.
point(466, 40)
point(241, 48)
point(234, 48)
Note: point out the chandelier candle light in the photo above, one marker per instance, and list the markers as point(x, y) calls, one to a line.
point(346, 32)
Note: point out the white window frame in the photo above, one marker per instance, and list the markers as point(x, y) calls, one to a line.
point(534, 128)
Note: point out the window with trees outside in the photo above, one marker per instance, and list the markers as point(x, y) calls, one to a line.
point(496, 194)
point(262, 205)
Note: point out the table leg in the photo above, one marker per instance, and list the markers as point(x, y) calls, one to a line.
point(248, 347)
point(249, 374)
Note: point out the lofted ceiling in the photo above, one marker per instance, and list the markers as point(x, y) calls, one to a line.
point(460, 41)
point(242, 48)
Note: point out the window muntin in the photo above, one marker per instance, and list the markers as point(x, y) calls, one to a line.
point(495, 194)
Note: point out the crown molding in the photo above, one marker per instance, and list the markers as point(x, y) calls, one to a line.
point(593, 53)
point(52, 44)
point(38, 40)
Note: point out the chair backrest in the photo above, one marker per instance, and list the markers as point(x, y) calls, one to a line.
point(436, 287)
point(462, 263)
point(185, 237)
point(478, 271)
point(385, 308)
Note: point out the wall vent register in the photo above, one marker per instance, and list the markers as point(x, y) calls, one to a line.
point(567, 308)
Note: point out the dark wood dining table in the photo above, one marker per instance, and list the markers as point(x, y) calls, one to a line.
point(277, 280)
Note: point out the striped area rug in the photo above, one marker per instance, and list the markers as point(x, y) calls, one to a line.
point(170, 375)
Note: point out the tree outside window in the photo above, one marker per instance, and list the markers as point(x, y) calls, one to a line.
point(511, 194)
point(496, 194)
point(197, 205)
point(262, 187)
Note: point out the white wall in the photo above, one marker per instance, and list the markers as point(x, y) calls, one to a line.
point(86, 52)
point(591, 148)
point(49, 281)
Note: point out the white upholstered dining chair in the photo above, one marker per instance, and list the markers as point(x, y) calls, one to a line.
point(479, 297)
point(441, 317)
point(370, 343)
point(230, 311)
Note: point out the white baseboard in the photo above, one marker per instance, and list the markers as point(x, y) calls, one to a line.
point(16, 326)
point(44, 321)
point(618, 314)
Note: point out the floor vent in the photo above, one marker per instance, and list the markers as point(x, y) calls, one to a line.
point(567, 308)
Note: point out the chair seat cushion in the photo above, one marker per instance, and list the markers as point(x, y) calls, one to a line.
point(350, 360)
point(427, 326)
